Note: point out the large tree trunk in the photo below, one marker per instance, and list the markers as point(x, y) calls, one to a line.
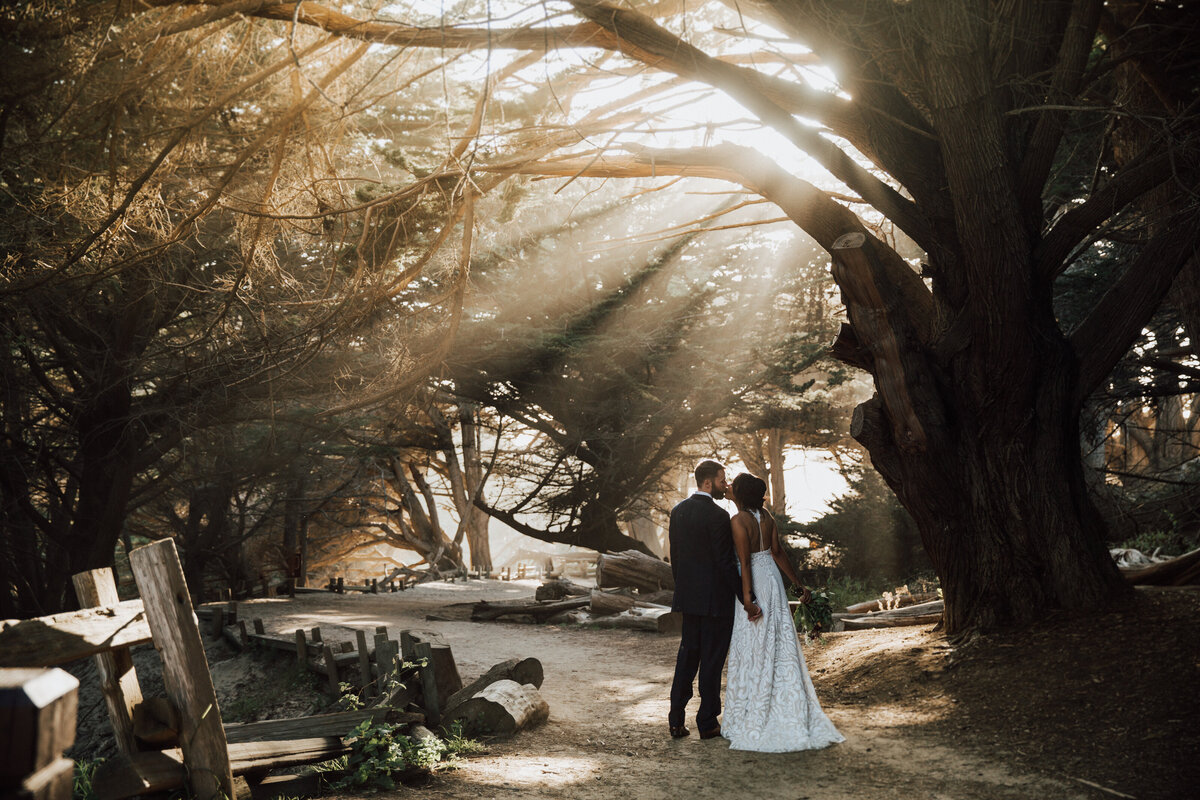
point(982, 448)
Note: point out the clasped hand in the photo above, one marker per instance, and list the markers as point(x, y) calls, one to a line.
point(752, 611)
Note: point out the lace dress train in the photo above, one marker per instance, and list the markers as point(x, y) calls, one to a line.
point(770, 703)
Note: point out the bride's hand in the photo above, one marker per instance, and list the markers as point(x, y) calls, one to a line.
point(752, 611)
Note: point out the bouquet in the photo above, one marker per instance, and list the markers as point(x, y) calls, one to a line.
point(815, 616)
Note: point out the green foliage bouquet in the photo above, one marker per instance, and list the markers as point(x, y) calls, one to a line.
point(815, 616)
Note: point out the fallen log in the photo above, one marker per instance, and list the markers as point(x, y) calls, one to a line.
point(883, 621)
point(635, 569)
point(1181, 571)
point(898, 600)
point(665, 597)
point(560, 588)
point(920, 614)
point(604, 603)
point(501, 709)
point(656, 620)
point(486, 610)
point(518, 670)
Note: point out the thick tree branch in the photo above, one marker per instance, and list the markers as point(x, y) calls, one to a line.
point(1110, 330)
point(1072, 60)
point(646, 41)
point(570, 536)
point(1147, 170)
point(806, 205)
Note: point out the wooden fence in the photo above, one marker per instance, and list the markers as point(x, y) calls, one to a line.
point(209, 753)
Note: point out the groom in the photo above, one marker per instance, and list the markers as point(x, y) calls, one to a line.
point(706, 587)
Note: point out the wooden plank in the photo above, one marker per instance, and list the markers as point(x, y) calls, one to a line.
point(336, 724)
point(52, 782)
point(286, 645)
point(118, 679)
point(186, 676)
point(364, 664)
point(72, 635)
point(157, 771)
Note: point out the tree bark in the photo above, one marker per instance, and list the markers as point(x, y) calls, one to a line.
point(477, 524)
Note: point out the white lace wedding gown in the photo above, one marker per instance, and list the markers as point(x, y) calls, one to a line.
point(770, 703)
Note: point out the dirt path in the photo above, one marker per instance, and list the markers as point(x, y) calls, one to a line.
point(607, 735)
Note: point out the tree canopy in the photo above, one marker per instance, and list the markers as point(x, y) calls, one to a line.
point(218, 195)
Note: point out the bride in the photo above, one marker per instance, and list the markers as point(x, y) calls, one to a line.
point(770, 703)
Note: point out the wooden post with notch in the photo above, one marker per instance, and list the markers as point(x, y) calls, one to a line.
point(186, 676)
point(118, 679)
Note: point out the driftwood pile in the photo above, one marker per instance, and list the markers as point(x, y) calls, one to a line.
point(635, 593)
point(899, 608)
point(1151, 571)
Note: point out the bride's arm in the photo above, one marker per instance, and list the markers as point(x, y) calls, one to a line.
point(741, 543)
point(777, 553)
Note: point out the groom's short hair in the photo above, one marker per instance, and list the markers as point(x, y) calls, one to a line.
point(707, 470)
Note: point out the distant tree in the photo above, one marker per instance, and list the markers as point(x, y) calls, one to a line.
point(610, 363)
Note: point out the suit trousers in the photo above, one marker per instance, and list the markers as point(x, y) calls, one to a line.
point(703, 645)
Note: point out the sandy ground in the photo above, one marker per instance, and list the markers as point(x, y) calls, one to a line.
point(920, 717)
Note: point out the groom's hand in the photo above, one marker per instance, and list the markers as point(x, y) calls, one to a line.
point(753, 611)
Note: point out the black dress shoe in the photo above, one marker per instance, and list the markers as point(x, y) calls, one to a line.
point(678, 732)
point(711, 734)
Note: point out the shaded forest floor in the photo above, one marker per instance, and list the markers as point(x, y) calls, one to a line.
point(1057, 710)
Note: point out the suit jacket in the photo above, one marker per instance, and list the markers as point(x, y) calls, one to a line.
point(702, 558)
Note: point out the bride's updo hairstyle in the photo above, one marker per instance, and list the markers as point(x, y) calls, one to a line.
point(749, 491)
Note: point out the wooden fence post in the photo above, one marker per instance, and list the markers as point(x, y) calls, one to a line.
point(423, 651)
point(364, 663)
point(37, 723)
point(331, 666)
point(301, 649)
point(118, 679)
point(186, 676)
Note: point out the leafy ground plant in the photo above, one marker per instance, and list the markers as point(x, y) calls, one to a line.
point(81, 788)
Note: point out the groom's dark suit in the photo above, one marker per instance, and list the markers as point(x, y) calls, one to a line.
point(706, 586)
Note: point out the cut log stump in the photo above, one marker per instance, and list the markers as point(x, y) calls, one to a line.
point(519, 670)
point(501, 709)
